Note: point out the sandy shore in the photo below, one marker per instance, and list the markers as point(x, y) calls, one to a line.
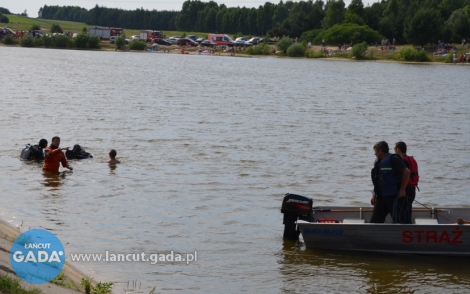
point(8, 234)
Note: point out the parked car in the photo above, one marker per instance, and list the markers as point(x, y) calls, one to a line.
point(38, 33)
point(135, 38)
point(241, 43)
point(254, 40)
point(186, 42)
point(162, 42)
point(112, 40)
point(240, 38)
point(199, 40)
point(8, 31)
point(192, 37)
point(268, 41)
point(207, 43)
point(173, 40)
point(221, 39)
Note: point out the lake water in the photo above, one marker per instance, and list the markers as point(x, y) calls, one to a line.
point(209, 146)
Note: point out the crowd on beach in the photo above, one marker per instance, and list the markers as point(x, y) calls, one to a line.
point(445, 48)
point(385, 44)
point(34, 33)
point(463, 58)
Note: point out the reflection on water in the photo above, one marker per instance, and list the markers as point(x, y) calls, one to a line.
point(54, 180)
point(325, 271)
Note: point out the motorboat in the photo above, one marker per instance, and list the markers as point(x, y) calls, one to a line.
point(434, 230)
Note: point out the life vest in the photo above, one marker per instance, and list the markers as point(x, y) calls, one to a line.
point(413, 167)
point(390, 179)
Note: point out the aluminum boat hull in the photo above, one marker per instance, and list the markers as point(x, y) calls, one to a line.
point(434, 231)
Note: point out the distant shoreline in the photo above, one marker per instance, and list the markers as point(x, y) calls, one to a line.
point(377, 54)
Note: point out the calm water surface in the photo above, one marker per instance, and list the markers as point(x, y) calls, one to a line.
point(209, 145)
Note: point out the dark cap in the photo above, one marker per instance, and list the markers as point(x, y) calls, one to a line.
point(43, 143)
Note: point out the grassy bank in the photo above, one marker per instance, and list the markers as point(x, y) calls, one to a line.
point(373, 53)
point(20, 23)
point(12, 285)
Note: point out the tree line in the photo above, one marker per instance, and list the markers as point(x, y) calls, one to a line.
point(112, 17)
point(408, 21)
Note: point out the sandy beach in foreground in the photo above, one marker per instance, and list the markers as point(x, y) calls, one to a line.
point(8, 234)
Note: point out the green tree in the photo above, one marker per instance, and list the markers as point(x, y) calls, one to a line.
point(316, 15)
point(424, 27)
point(4, 18)
point(284, 44)
point(268, 17)
point(137, 45)
point(35, 27)
point(209, 21)
point(348, 33)
point(296, 50)
point(409, 54)
point(94, 42)
point(334, 13)
point(55, 28)
point(61, 41)
point(187, 18)
point(389, 24)
point(358, 51)
point(8, 40)
point(27, 41)
point(372, 15)
point(309, 36)
point(457, 26)
point(260, 49)
point(448, 7)
point(4, 10)
point(280, 13)
point(120, 41)
point(351, 17)
point(356, 7)
point(81, 40)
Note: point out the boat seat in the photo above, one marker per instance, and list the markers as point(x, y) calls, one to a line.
point(353, 221)
point(426, 221)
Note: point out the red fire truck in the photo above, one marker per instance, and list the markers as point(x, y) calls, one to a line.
point(104, 32)
point(149, 35)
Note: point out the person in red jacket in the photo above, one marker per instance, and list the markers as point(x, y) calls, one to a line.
point(54, 156)
point(412, 165)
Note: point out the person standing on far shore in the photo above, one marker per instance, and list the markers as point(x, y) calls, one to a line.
point(112, 157)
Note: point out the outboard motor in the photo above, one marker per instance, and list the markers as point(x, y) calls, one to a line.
point(295, 207)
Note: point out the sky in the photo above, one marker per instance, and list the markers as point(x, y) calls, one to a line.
point(32, 6)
